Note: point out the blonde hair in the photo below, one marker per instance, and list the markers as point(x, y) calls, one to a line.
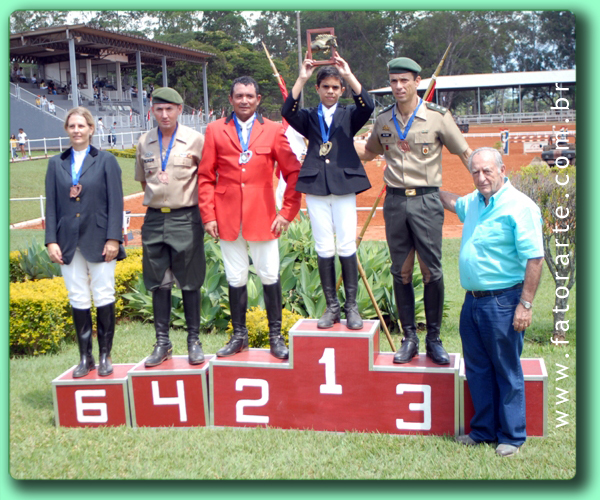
point(85, 113)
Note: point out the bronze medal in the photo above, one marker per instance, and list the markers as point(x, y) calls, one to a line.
point(163, 177)
point(404, 146)
point(75, 190)
point(325, 148)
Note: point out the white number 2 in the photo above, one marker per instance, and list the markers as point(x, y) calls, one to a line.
point(328, 359)
point(240, 383)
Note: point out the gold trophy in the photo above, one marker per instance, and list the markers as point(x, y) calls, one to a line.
point(324, 41)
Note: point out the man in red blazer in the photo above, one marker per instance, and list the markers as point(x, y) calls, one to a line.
point(237, 204)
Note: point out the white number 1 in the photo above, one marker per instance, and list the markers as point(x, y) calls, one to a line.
point(328, 359)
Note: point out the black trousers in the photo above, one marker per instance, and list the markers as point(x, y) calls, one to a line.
point(414, 223)
point(173, 240)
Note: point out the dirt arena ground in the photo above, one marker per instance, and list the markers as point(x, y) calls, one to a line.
point(456, 179)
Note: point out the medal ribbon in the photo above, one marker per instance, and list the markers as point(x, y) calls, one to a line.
point(401, 134)
point(75, 175)
point(324, 133)
point(171, 142)
point(238, 128)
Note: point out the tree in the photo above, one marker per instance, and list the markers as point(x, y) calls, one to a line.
point(25, 20)
point(553, 190)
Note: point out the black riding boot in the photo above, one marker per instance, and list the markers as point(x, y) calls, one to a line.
point(105, 326)
point(82, 318)
point(433, 298)
point(191, 309)
point(331, 316)
point(272, 295)
point(405, 303)
point(238, 303)
point(350, 278)
point(161, 305)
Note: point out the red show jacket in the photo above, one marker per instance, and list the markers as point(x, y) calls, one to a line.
point(242, 195)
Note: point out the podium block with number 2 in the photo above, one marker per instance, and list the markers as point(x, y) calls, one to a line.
point(335, 380)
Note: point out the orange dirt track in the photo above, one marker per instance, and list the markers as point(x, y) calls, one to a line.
point(456, 179)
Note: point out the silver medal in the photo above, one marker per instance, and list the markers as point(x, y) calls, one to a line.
point(245, 157)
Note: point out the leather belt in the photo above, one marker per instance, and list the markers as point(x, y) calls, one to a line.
point(488, 293)
point(413, 191)
point(167, 210)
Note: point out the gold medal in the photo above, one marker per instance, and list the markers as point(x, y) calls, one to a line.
point(75, 190)
point(325, 148)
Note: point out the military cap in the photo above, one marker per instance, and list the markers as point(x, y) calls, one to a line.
point(166, 95)
point(403, 65)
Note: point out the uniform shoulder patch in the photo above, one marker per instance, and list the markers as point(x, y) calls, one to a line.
point(386, 109)
point(436, 107)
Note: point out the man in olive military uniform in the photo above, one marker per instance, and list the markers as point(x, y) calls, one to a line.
point(410, 134)
point(167, 161)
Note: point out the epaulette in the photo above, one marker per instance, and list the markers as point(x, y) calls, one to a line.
point(386, 109)
point(436, 107)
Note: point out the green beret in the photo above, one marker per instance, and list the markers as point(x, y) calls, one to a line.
point(166, 95)
point(403, 65)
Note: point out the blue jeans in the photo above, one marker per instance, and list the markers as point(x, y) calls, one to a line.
point(492, 351)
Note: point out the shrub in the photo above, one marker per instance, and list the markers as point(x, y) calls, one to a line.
point(15, 272)
point(34, 263)
point(258, 326)
point(40, 316)
point(123, 153)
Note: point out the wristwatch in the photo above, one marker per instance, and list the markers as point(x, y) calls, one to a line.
point(526, 305)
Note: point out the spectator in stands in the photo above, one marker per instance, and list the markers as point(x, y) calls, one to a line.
point(22, 139)
point(34, 79)
point(51, 107)
point(43, 85)
point(44, 103)
point(84, 193)
point(20, 75)
point(13, 146)
point(38, 102)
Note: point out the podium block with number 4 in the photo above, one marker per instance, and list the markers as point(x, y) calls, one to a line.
point(92, 401)
point(172, 394)
point(335, 380)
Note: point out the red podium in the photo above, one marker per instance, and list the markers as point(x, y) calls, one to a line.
point(172, 394)
point(536, 397)
point(92, 401)
point(335, 380)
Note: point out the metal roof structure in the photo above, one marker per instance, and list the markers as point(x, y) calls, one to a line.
point(49, 45)
point(494, 81)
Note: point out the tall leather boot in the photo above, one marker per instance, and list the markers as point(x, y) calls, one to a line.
point(238, 303)
point(105, 326)
point(82, 318)
point(272, 295)
point(191, 309)
point(161, 305)
point(433, 298)
point(331, 316)
point(405, 303)
point(350, 278)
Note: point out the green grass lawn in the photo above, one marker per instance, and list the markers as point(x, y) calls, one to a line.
point(27, 181)
point(40, 450)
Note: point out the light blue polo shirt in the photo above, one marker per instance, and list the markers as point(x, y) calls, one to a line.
point(497, 240)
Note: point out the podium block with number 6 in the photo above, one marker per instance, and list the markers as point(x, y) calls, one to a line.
point(173, 394)
point(92, 401)
point(335, 380)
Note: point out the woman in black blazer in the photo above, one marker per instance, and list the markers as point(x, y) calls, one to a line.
point(331, 177)
point(84, 217)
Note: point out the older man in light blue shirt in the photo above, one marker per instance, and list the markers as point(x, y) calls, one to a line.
point(500, 263)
